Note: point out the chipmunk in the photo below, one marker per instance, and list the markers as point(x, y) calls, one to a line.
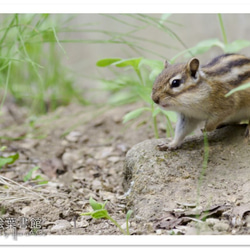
point(197, 94)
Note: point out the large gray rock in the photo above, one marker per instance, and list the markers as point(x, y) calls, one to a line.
point(158, 180)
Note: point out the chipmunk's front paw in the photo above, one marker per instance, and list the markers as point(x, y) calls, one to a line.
point(167, 146)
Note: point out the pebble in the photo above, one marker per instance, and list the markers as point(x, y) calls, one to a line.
point(106, 151)
point(197, 210)
point(211, 221)
point(73, 136)
point(122, 147)
point(96, 184)
point(221, 226)
point(25, 210)
point(70, 158)
point(28, 144)
point(60, 225)
point(107, 196)
point(114, 159)
point(237, 221)
point(124, 225)
point(158, 231)
point(64, 143)
point(80, 224)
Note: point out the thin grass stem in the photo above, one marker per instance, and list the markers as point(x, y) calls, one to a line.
point(222, 29)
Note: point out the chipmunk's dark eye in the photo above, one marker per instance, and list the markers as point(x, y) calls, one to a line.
point(176, 83)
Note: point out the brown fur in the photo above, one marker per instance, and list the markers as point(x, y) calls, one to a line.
point(202, 90)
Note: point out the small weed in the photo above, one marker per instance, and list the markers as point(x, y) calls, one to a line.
point(31, 66)
point(3, 210)
point(8, 159)
point(39, 178)
point(101, 213)
point(137, 89)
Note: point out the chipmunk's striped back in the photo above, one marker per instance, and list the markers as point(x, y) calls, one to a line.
point(233, 69)
point(198, 94)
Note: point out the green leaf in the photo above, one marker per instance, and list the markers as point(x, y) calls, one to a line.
point(4, 161)
point(48, 36)
point(42, 182)
point(28, 176)
point(204, 46)
point(86, 214)
point(8, 160)
point(236, 46)
point(3, 148)
point(144, 92)
point(98, 214)
point(122, 97)
point(242, 87)
point(171, 115)
point(107, 62)
point(94, 204)
point(156, 112)
point(152, 63)
point(134, 62)
point(128, 215)
point(164, 17)
point(156, 67)
point(134, 114)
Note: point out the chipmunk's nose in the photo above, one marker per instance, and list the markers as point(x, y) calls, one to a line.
point(155, 98)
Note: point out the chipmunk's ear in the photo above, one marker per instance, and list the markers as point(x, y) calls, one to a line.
point(166, 64)
point(193, 66)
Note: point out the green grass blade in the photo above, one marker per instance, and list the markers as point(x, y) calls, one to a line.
point(6, 86)
point(240, 88)
point(57, 40)
point(134, 114)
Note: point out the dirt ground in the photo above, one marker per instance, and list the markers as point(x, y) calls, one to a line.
point(81, 152)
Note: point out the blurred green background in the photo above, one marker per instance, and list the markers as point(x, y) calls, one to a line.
point(49, 60)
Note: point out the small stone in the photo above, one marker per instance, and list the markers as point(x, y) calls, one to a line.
point(84, 139)
point(29, 144)
point(90, 161)
point(211, 221)
point(197, 210)
point(117, 118)
point(158, 231)
point(64, 143)
point(107, 196)
point(73, 136)
point(99, 122)
point(96, 184)
point(114, 159)
point(70, 158)
point(124, 225)
point(60, 225)
point(122, 147)
point(25, 210)
point(237, 221)
point(221, 226)
point(104, 153)
point(80, 224)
